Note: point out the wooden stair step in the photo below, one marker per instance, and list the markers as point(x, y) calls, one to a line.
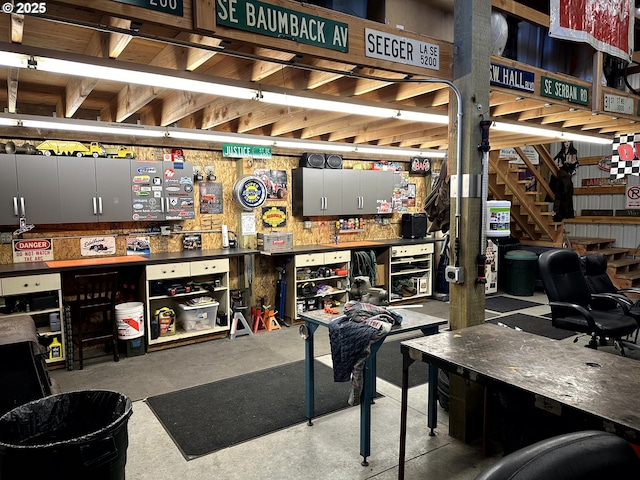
point(624, 264)
point(634, 275)
point(591, 241)
point(612, 253)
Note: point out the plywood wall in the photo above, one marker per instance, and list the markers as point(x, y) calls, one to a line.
point(66, 238)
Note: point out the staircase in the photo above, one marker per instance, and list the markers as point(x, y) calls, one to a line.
point(531, 219)
point(623, 270)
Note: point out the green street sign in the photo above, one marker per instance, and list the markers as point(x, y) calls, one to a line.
point(274, 21)
point(230, 150)
point(552, 88)
point(173, 7)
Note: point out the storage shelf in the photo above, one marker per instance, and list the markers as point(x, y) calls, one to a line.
point(409, 272)
point(181, 334)
point(318, 279)
point(189, 294)
point(418, 295)
point(34, 312)
point(336, 292)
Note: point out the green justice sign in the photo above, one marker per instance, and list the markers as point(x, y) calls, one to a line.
point(230, 150)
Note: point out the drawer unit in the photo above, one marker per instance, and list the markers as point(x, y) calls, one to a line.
point(30, 284)
point(339, 256)
point(168, 270)
point(206, 267)
point(407, 250)
point(309, 259)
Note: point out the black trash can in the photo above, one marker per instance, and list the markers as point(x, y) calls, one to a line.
point(79, 434)
point(522, 266)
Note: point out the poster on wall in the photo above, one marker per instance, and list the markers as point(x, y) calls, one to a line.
point(400, 200)
point(606, 25)
point(274, 217)
point(192, 242)
point(94, 246)
point(138, 245)
point(32, 250)
point(275, 181)
point(210, 197)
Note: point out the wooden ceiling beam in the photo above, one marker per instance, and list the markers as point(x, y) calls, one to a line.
point(17, 28)
point(12, 90)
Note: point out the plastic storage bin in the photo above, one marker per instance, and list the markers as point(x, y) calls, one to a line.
point(522, 266)
point(79, 434)
point(198, 317)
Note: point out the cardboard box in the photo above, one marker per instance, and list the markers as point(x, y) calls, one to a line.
point(275, 242)
point(421, 284)
point(198, 317)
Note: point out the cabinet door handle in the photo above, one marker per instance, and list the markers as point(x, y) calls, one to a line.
point(95, 208)
point(100, 205)
point(15, 207)
point(22, 206)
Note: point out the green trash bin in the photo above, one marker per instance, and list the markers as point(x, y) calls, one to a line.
point(522, 267)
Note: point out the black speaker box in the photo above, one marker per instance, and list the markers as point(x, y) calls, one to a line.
point(333, 161)
point(312, 160)
point(414, 225)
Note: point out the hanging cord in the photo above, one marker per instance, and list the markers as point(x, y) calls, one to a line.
point(364, 264)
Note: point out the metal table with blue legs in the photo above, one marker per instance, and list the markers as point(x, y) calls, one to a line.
point(411, 320)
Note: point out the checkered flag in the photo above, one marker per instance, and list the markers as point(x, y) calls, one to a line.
point(624, 160)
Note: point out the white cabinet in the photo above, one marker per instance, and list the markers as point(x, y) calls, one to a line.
point(172, 284)
point(410, 271)
point(313, 278)
point(37, 295)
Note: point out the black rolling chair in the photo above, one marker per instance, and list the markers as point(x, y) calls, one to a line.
point(570, 300)
point(594, 267)
point(588, 455)
point(93, 312)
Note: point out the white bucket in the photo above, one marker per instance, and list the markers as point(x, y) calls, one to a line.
point(498, 218)
point(130, 320)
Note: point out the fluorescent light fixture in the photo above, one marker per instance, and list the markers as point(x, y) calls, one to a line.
point(176, 82)
point(545, 132)
point(209, 136)
point(101, 72)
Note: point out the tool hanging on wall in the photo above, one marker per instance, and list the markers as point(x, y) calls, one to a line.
point(484, 148)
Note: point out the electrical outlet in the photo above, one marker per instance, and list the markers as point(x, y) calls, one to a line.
point(385, 221)
point(6, 237)
point(454, 274)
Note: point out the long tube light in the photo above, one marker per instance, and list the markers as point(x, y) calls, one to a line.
point(346, 106)
point(209, 136)
point(175, 82)
point(546, 132)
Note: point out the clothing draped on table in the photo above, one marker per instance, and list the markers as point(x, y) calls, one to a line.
point(351, 337)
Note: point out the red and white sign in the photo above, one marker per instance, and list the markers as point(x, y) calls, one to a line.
point(632, 197)
point(32, 250)
point(606, 25)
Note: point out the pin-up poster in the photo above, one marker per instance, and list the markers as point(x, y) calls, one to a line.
point(606, 25)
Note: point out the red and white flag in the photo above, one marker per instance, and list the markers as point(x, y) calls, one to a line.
point(606, 25)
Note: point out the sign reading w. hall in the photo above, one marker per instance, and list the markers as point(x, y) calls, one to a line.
point(274, 21)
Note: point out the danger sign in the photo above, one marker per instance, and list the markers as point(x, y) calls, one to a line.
point(32, 250)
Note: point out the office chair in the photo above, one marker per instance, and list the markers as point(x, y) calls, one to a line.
point(570, 300)
point(93, 312)
point(594, 268)
point(587, 455)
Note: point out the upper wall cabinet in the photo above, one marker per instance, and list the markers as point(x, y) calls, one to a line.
point(362, 189)
point(103, 193)
point(317, 191)
point(30, 189)
point(49, 189)
point(326, 191)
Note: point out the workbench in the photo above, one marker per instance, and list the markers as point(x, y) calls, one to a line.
point(412, 320)
point(597, 387)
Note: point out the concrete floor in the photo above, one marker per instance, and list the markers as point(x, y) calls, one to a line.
point(328, 449)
